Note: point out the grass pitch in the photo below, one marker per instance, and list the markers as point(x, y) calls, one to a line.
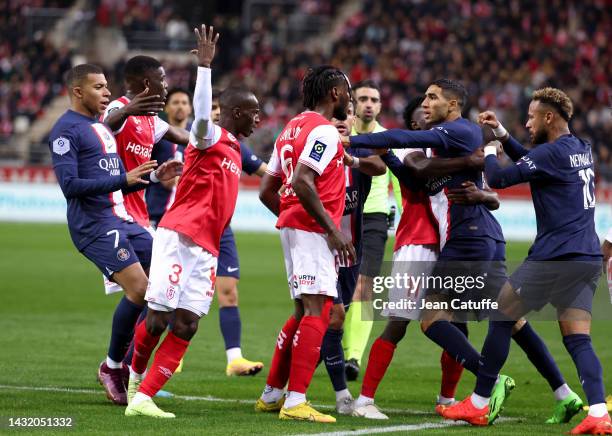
point(55, 323)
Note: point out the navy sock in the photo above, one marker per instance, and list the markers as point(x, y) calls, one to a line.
point(130, 352)
point(538, 354)
point(124, 320)
point(231, 326)
point(494, 354)
point(333, 356)
point(462, 326)
point(589, 369)
point(455, 343)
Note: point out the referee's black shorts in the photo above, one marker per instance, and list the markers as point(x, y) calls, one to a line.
point(373, 243)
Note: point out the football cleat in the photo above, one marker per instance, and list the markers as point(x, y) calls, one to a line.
point(608, 404)
point(565, 409)
point(345, 406)
point(466, 411)
point(499, 395)
point(262, 406)
point(351, 369)
point(369, 411)
point(133, 386)
point(242, 366)
point(592, 425)
point(441, 406)
point(112, 381)
point(179, 368)
point(147, 408)
point(305, 412)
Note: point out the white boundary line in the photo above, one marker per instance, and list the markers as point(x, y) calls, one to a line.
point(390, 429)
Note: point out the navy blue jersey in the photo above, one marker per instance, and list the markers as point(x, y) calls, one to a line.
point(562, 181)
point(357, 189)
point(91, 176)
point(449, 139)
point(157, 195)
point(250, 162)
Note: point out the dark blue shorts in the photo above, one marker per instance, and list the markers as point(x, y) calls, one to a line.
point(347, 282)
point(119, 248)
point(564, 284)
point(227, 263)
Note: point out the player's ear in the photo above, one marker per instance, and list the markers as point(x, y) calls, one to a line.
point(236, 113)
point(335, 93)
point(77, 92)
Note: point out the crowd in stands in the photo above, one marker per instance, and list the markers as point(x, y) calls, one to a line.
point(31, 69)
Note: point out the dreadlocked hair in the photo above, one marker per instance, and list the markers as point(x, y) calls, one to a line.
point(318, 82)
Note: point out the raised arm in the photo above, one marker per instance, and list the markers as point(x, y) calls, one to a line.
point(512, 147)
point(203, 130)
point(115, 116)
point(396, 138)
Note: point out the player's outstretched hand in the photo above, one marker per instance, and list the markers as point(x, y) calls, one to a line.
point(207, 42)
point(145, 104)
point(488, 118)
point(134, 177)
point(346, 141)
point(169, 170)
point(467, 194)
point(342, 244)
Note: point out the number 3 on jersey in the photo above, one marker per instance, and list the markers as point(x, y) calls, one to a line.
point(175, 277)
point(588, 178)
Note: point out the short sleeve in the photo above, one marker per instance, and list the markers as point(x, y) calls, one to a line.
point(274, 166)
point(538, 163)
point(161, 127)
point(113, 106)
point(320, 148)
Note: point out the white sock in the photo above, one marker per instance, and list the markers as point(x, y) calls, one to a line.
point(362, 400)
point(139, 398)
point(294, 399)
point(444, 401)
point(134, 375)
point(343, 394)
point(271, 395)
point(233, 353)
point(112, 364)
point(598, 410)
point(478, 401)
point(562, 392)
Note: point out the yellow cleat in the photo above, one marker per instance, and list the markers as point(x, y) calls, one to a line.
point(262, 406)
point(147, 408)
point(133, 386)
point(608, 404)
point(304, 412)
point(242, 366)
point(179, 368)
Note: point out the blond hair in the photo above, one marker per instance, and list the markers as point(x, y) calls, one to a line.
point(557, 99)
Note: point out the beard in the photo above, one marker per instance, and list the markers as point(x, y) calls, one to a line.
point(341, 111)
point(540, 137)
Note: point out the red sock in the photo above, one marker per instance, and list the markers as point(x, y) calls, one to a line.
point(306, 352)
point(144, 344)
point(451, 374)
point(281, 360)
point(166, 360)
point(380, 357)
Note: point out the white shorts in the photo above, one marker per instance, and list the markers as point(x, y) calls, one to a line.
point(414, 261)
point(112, 287)
point(311, 266)
point(182, 274)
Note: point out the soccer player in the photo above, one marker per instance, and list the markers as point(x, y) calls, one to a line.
point(560, 171)
point(359, 169)
point(228, 275)
point(417, 246)
point(159, 196)
point(186, 247)
point(137, 127)
point(92, 177)
point(473, 236)
point(376, 217)
point(307, 167)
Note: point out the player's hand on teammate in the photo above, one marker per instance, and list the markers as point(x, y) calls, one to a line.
point(134, 177)
point(488, 118)
point(207, 41)
point(342, 244)
point(467, 194)
point(145, 104)
point(169, 170)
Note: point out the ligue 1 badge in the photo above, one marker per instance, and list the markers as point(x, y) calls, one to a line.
point(123, 254)
point(61, 146)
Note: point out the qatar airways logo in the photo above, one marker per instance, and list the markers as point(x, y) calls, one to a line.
point(110, 164)
point(229, 164)
point(139, 150)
